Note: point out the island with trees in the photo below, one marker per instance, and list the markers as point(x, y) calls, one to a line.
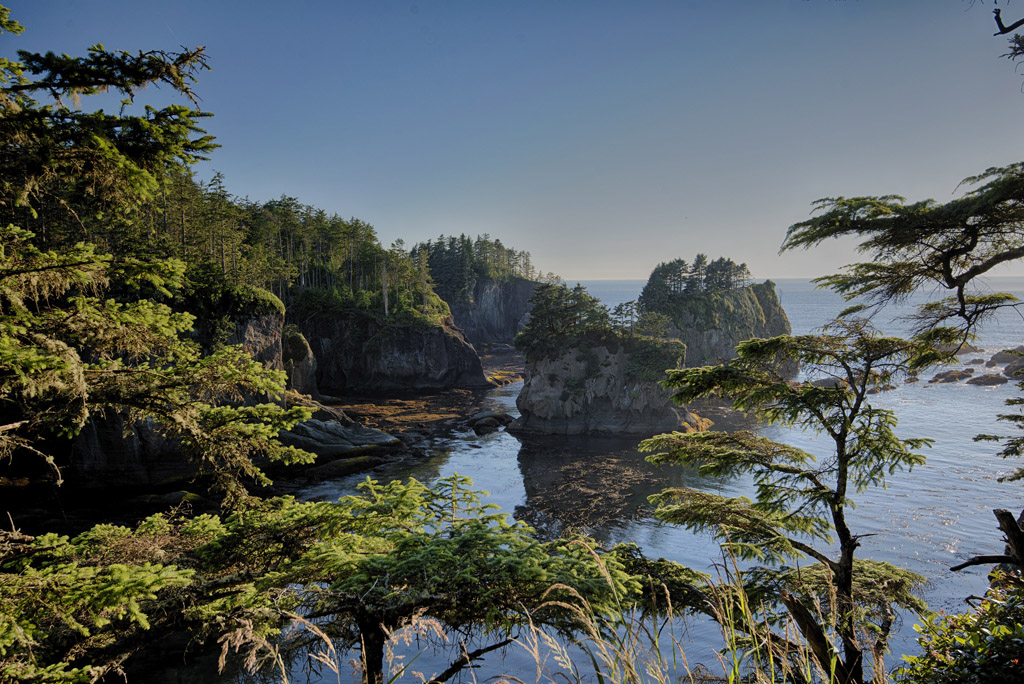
point(591, 370)
point(590, 373)
point(711, 306)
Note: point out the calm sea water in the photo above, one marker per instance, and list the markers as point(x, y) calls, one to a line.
point(925, 520)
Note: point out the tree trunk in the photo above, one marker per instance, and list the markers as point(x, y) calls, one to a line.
point(373, 639)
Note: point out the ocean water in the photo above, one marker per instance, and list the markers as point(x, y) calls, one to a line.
point(925, 520)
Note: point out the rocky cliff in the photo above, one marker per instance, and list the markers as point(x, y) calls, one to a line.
point(111, 453)
point(597, 390)
point(496, 311)
point(357, 353)
point(712, 324)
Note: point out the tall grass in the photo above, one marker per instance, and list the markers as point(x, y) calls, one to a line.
point(630, 645)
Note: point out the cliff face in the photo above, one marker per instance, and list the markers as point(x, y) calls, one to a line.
point(595, 391)
point(497, 311)
point(299, 363)
point(356, 353)
point(109, 452)
point(711, 325)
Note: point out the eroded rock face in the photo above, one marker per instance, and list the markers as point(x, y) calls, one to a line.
point(299, 363)
point(566, 396)
point(712, 326)
point(497, 312)
point(355, 353)
point(106, 454)
point(259, 335)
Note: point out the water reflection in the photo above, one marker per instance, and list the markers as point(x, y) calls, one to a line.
point(593, 485)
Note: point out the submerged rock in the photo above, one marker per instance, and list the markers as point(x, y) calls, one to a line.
point(488, 421)
point(1015, 369)
point(1006, 356)
point(952, 375)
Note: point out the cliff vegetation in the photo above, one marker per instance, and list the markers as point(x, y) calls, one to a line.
point(588, 372)
point(711, 306)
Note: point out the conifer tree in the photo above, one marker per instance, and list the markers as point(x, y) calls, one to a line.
point(801, 500)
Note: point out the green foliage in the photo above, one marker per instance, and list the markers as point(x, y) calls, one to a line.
point(73, 609)
point(456, 263)
point(911, 246)
point(69, 355)
point(651, 357)
point(946, 246)
point(71, 171)
point(207, 295)
point(983, 646)
point(59, 597)
point(800, 498)
point(563, 318)
point(675, 281)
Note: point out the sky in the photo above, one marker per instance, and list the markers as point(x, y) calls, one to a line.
point(602, 137)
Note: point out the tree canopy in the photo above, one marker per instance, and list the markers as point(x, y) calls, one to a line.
point(562, 317)
point(674, 281)
point(921, 244)
point(456, 263)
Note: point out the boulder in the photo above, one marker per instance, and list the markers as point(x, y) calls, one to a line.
point(830, 382)
point(1007, 356)
point(487, 421)
point(988, 379)
point(1015, 369)
point(330, 440)
point(952, 375)
point(958, 349)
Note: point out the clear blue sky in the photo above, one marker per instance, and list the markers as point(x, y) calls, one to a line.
point(603, 137)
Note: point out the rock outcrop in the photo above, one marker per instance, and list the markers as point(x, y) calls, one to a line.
point(1006, 356)
point(299, 363)
point(597, 391)
point(955, 375)
point(712, 324)
point(355, 353)
point(109, 453)
point(330, 440)
point(496, 311)
point(249, 317)
point(988, 379)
